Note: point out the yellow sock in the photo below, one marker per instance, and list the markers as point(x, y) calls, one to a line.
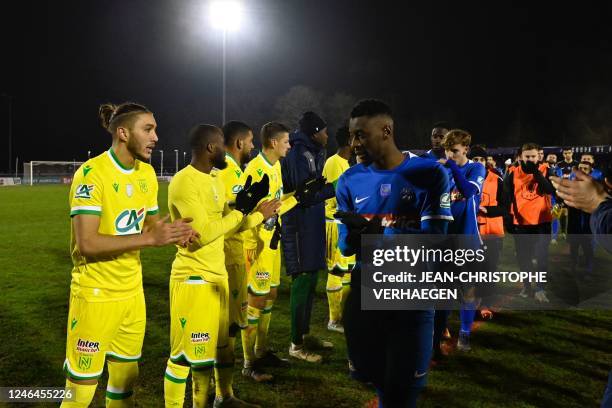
point(261, 342)
point(224, 370)
point(120, 388)
point(83, 394)
point(249, 335)
point(174, 384)
point(200, 380)
point(334, 298)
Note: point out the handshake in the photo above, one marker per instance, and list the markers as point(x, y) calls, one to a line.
point(358, 225)
point(253, 193)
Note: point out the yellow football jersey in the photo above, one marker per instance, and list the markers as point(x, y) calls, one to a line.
point(122, 198)
point(201, 196)
point(333, 169)
point(256, 169)
point(233, 180)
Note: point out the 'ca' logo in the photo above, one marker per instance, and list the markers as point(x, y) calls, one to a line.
point(129, 221)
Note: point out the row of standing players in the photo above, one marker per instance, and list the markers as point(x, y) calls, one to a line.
point(228, 260)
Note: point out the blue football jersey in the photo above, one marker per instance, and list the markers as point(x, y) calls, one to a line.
point(417, 190)
point(464, 209)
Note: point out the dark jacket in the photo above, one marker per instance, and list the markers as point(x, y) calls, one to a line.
point(303, 228)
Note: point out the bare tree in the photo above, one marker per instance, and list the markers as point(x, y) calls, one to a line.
point(299, 99)
point(337, 109)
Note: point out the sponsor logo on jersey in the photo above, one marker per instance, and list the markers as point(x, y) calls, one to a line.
point(129, 221)
point(237, 188)
point(385, 190)
point(116, 187)
point(358, 200)
point(87, 346)
point(456, 195)
point(200, 337)
point(84, 191)
point(407, 195)
point(260, 275)
point(129, 190)
point(259, 172)
point(183, 322)
point(142, 183)
point(73, 323)
point(445, 200)
point(238, 173)
point(479, 180)
point(86, 170)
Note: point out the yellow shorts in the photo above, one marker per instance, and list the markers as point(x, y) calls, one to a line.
point(198, 320)
point(238, 303)
point(98, 329)
point(334, 257)
point(263, 269)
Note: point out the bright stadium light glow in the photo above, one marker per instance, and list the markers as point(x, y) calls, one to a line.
point(226, 15)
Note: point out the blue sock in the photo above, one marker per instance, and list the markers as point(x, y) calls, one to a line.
point(466, 314)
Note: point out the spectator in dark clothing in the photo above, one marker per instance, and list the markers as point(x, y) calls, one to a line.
point(303, 228)
point(564, 168)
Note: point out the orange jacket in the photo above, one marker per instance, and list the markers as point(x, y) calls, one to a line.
point(492, 198)
point(531, 199)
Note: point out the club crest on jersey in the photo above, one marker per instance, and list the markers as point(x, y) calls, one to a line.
point(85, 362)
point(84, 191)
point(129, 190)
point(385, 190)
point(128, 222)
point(142, 183)
point(199, 350)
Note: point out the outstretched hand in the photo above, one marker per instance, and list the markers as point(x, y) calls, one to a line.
point(308, 189)
point(582, 193)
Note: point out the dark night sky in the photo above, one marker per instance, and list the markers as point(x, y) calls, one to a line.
point(493, 68)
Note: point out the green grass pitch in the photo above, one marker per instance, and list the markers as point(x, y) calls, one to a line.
point(520, 359)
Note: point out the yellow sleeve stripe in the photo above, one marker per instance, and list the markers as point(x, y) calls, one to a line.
point(86, 209)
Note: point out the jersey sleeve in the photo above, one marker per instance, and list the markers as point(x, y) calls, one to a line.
point(332, 172)
point(152, 205)
point(436, 205)
point(184, 201)
point(343, 203)
point(86, 192)
point(476, 176)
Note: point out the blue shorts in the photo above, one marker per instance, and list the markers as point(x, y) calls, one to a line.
point(390, 349)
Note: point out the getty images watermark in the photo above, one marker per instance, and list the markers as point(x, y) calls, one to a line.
point(415, 272)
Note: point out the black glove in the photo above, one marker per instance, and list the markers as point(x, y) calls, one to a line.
point(251, 194)
point(529, 167)
point(276, 236)
point(358, 225)
point(307, 190)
